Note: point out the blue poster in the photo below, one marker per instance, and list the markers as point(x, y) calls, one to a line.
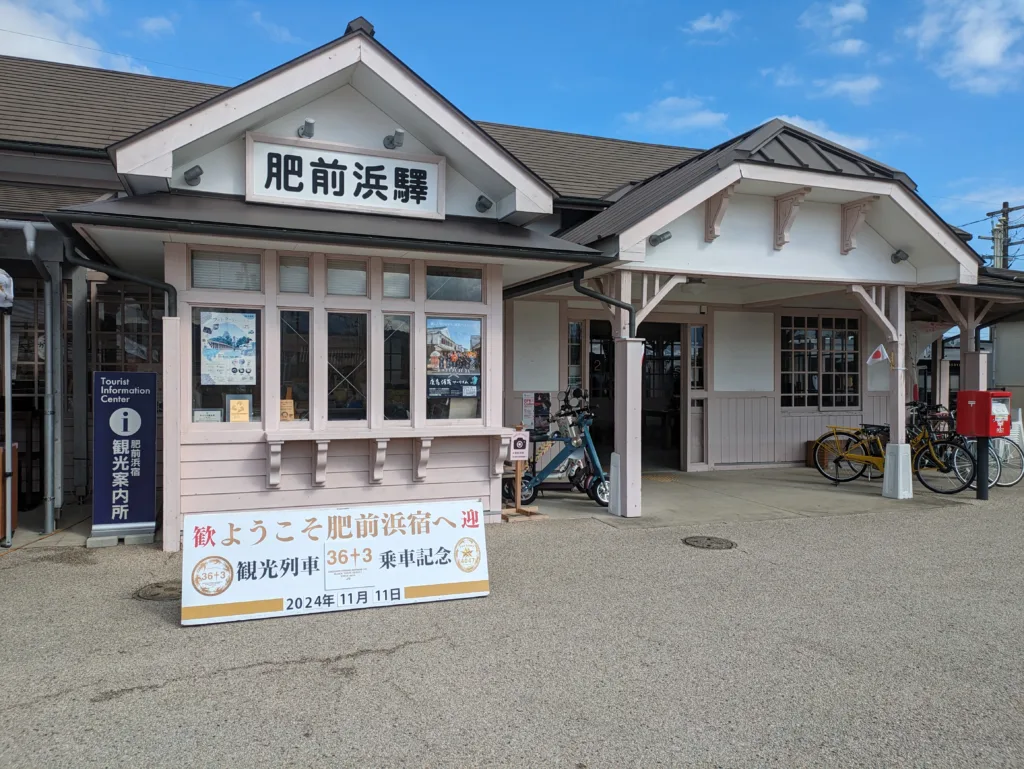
point(124, 453)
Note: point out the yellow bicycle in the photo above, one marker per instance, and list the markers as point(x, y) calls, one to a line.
point(844, 454)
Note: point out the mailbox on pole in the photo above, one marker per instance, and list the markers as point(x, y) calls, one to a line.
point(983, 414)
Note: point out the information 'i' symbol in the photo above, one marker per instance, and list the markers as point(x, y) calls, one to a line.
point(125, 421)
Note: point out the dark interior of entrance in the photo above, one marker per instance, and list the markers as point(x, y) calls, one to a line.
point(662, 380)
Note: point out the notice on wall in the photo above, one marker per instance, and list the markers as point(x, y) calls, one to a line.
point(276, 563)
point(537, 411)
point(124, 453)
point(228, 344)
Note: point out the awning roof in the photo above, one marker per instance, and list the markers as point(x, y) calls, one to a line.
point(228, 216)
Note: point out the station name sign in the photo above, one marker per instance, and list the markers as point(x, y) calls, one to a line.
point(314, 174)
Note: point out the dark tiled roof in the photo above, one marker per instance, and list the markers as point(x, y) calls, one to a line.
point(42, 102)
point(70, 106)
point(581, 166)
point(34, 198)
point(775, 143)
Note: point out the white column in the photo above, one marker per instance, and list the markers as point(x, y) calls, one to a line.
point(172, 366)
point(942, 382)
point(626, 467)
point(898, 481)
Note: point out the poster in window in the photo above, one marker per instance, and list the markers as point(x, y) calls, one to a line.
point(453, 358)
point(228, 344)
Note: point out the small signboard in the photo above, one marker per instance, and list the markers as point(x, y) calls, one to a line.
point(275, 563)
point(519, 449)
point(124, 453)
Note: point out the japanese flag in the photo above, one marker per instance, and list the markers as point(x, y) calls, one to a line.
point(878, 355)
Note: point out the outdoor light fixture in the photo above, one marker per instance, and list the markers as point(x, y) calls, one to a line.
point(395, 140)
point(694, 286)
point(661, 237)
point(306, 129)
point(193, 175)
point(483, 204)
point(900, 256)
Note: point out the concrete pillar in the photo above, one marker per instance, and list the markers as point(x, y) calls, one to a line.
point(974, 371)
point(942, 384)
point(898, 480)
point(626, 466)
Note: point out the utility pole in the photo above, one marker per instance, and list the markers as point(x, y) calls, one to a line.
point(1001, 235)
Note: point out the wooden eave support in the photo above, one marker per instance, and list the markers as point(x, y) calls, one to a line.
point(852, 216)
point(786, 208)
point(648, 302)
point(872, 301)
point(714, 211)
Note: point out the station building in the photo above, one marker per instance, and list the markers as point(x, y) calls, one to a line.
point(347, 286)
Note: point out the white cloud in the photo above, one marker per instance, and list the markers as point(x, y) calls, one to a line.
point(976, 196)
point(850, 46)
point(156, 25)
point(710, 23)
point(675, 114)
point(835, 19)
point(857, 89)
point(820, 127)
point(277, 32)
point(974, 44)
point(51, 30)
point(784, 76)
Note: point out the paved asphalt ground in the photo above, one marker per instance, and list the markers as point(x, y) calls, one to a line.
point(881, 639)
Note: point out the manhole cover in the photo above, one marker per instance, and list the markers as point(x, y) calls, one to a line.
point(160, 591)
point(710, 543)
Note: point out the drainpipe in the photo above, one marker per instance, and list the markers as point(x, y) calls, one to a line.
point(171, 294)
point(29, 230)
point(577, 277)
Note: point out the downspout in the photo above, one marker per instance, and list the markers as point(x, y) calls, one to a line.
point(171, 303)
point(29, 230)
point(577, 278)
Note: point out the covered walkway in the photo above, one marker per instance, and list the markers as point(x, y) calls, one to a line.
point(674, 498)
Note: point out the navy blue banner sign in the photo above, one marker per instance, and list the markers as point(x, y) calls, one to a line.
point(124, 453)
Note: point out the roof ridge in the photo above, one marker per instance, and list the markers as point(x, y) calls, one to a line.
point(588, 136)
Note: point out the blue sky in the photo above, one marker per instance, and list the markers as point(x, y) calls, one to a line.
point(928, 86)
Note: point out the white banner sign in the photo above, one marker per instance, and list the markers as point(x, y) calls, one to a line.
point(273, 563)
point(312, 174)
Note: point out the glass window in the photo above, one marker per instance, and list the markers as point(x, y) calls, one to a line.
point(454, 357)
point(294, 365)
point(456, 284)
point(226, 359)
point(820, 350)
point(346, 366)
point(396, 281)
point(293, 275)
point(575, 373)
point(397, 365)
point(697, 358)
point(235, 272)
point(346, 278)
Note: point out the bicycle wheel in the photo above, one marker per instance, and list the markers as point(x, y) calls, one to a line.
point(1012, 459)
point(995, 465)
point(830, 453)
point(945, 467)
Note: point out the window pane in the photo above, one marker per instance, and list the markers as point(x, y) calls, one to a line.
point(457, 284)
point(453, 368)
point(396, 281)
point(346, 278)
point(346, 366)
point(226, 357)
point(293, 275)
point(235, 272)
point(697, 357)
point(397, 365)
point(575, 372)
point(294, 365)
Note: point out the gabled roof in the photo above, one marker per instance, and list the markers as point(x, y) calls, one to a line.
point(775, 143)
point(50, 105)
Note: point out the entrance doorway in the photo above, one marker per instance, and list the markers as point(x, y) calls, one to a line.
point(673, 437)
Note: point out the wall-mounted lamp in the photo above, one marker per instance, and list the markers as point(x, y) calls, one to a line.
point(483, 204)
point(899, 256)
point(306, 129)
point(694, 286)
point(661, 237)
point(193, 175)
point(395, 140)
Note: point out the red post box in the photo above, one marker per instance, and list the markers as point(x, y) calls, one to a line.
point(983, 413)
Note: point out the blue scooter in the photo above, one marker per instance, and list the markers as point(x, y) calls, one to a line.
point(573, 422)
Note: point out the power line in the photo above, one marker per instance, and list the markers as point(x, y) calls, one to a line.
point(976, 221)
point(125, 55)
